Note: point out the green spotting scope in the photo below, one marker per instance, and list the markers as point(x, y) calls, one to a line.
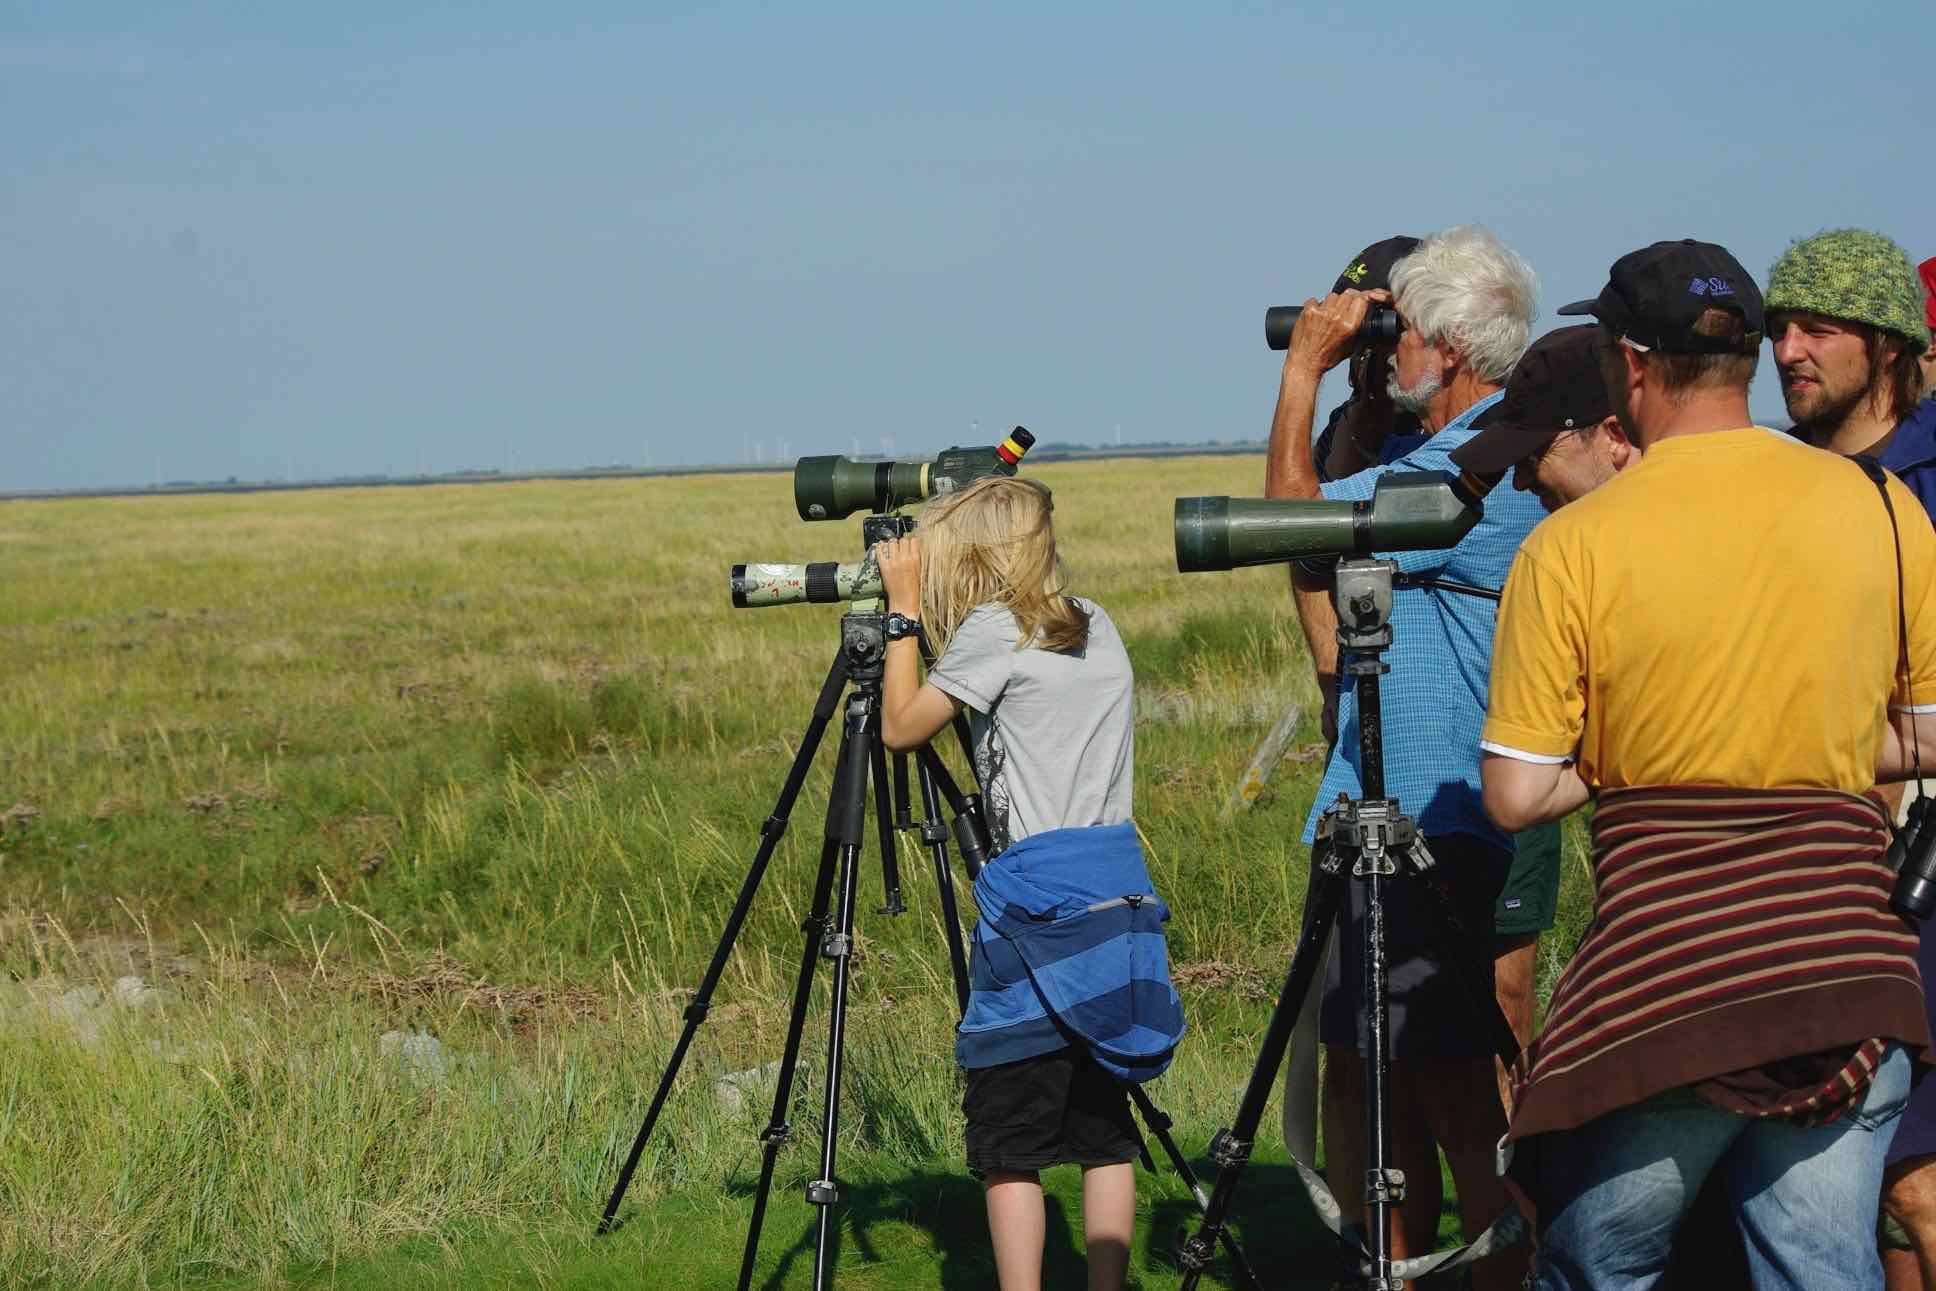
point(831, 488)
point(1408, 511)
point(818, 582)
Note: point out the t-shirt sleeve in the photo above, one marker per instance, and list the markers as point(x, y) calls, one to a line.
point(1919, 601)
point(1537, 699)
point(979, 660)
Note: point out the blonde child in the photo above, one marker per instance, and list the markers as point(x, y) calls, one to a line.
point(1069, 988)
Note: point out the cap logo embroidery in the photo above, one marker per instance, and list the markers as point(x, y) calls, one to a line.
point(1710, 287)
point(1356, 273)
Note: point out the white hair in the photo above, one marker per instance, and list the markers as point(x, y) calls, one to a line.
point(1465, 289)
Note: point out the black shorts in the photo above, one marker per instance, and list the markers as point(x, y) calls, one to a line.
point(1048, 1110)
point(1435, 1010)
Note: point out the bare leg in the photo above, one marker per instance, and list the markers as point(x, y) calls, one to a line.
point(1017, 1224)
point(1457, 1101)
point(1108, 1221)
point(1909, 1198)
point(1515, 962)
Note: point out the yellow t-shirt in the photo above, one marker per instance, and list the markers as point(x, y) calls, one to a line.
point(1721, 613)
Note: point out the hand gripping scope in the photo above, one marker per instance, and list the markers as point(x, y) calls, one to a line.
point(1408, 511)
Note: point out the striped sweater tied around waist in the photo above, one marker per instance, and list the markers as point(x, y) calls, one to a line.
point(1732, 928)
point(1070, 950)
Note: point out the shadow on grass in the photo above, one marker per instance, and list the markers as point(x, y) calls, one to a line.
point(942, 1213)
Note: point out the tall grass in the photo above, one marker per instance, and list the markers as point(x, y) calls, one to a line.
point(489, 764)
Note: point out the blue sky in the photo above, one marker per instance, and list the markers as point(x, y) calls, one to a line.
point(262, 240)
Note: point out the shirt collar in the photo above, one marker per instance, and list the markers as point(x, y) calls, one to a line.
point(1460, 429)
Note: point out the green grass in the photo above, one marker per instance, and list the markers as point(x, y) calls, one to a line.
point(489, 763)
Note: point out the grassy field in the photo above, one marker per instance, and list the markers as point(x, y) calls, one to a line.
point(358, 851)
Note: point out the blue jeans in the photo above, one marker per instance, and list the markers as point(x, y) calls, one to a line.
point(1612, 1192)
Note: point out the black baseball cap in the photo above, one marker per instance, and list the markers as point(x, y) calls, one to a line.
point(1371, 268)
point(1555, 387)
point(1654, 296)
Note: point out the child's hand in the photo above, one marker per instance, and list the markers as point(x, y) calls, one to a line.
point(900, 563)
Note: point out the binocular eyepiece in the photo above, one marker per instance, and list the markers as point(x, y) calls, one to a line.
point(1381, 326)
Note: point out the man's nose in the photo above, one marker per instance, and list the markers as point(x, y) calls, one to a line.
point(1523, 476)
point(1788, 345)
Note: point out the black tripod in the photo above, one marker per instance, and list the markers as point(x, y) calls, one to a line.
point(1368, 840)
point(829, 925)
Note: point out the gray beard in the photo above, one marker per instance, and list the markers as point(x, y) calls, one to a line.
point(1419, 397)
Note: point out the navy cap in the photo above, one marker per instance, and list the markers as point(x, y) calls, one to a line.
point(1655, 295)
point(1555, 387)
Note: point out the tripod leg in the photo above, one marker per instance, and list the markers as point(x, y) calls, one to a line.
point(1159, 1124)
point(1383, 1186)
point(937, 840)
point(884, 825)
point(970, 829)
point(771, 832)
point(861, 731)
point(778, 1131)
point(1230, 1149)
point(815, 926)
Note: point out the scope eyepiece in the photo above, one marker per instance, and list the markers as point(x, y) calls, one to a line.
point(833, 487)
point(1381, 326)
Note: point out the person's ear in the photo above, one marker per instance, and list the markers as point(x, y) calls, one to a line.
point(1619, 449)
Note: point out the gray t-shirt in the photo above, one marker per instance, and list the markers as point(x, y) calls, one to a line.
point(1054, 734)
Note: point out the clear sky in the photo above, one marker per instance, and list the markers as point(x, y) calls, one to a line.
point(311, 240)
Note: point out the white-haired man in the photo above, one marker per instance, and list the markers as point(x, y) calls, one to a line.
point(1466, 305)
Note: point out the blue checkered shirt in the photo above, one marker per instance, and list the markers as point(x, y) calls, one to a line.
point(1441, 656)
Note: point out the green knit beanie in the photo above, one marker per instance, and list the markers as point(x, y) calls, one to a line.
point(1855, 275)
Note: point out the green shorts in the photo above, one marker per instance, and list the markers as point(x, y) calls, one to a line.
point(1531, 898)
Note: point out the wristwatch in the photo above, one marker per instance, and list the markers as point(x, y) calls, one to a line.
point(899, 625)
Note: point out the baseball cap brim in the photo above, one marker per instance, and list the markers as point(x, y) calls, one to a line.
point(1501, 446)
point(1579, 307)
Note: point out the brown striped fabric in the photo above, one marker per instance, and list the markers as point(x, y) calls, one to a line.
point(1731, 928)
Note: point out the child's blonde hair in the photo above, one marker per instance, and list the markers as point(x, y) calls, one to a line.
point(993, 542)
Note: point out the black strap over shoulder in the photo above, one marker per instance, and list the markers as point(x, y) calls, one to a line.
point(1880, 478)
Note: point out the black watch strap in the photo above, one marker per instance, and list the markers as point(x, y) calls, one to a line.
point(900, 625)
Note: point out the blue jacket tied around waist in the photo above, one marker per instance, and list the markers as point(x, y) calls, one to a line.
point(1070, 949)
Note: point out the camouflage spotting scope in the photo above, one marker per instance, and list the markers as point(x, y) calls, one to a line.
point(1408, 511)
point(827, 488)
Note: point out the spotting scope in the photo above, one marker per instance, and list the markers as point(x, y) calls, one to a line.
point(1381, 326)
point(816, 582)
point(833, 487)
point(1408, 511)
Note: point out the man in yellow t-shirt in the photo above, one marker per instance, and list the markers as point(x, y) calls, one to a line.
point(1709, 642)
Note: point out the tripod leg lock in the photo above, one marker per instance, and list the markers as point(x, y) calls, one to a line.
point(1194, 1254)
point(697, 1010)
point(822, 1192)
point(837, 945)
point(773, 827)
point(1386, 1186)
point(1227, 1152)
point(933, 831)
point(777, 1135)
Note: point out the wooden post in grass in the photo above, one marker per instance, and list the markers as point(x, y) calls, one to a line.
point(1264, 761)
